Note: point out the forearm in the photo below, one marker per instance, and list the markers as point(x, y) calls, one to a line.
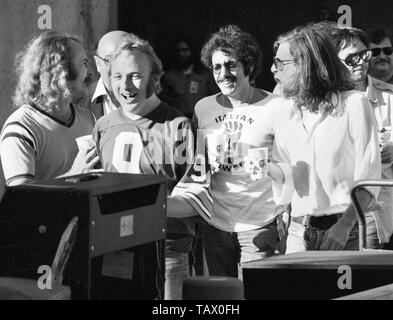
point(178, 207)
point(349, 217)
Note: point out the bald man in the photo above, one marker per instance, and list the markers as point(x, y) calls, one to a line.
point(103, 101)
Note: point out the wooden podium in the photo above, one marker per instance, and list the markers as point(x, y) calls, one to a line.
point(118, 213)
point(316, 274)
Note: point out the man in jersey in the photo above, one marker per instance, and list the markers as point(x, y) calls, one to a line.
point(240, 212)
point(148, 136)
point(103, 101)
point(38, 140)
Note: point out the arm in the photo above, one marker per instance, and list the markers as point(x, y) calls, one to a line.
point(177, 207)
point(84, 161)
point(363, 131)
point(17, 153)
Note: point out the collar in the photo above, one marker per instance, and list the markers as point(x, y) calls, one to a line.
point(100, 91)
point(153, 103)
point(372, 91)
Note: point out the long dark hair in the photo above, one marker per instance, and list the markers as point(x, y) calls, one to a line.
point(320, 72)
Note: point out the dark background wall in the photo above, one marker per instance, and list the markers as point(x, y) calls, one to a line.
point(160, 20)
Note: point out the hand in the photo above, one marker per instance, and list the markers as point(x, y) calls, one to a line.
point(249, 167)
point(336, 237)
point(387, 153)
point(84, 161)
point(275, 172)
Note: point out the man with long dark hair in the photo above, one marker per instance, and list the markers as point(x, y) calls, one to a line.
point(352, 46)
point(326, 131)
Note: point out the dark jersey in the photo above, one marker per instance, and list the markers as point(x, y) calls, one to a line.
point(161, 143)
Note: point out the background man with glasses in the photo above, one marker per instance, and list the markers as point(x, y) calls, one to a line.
point(352, 46)
point(103, 100)
point(381, 64)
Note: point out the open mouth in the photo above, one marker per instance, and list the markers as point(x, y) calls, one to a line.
point(128, 96)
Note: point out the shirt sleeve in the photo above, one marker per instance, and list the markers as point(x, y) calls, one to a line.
point(17, 152)
point(363, 131)
point(195, 186)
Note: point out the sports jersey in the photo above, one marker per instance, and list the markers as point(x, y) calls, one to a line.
point(35, 145)
point(160, 142)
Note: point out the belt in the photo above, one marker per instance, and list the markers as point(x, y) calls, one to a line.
point(322, 222)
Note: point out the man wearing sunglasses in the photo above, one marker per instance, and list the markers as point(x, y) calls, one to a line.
point(103, 100)
point(381, 64)
point(352, 46)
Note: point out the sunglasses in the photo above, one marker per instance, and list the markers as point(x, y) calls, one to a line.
point(354, 58)
point(386, 50)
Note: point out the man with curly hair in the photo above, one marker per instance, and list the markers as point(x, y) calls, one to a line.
point(38, 140)
point(239, 210)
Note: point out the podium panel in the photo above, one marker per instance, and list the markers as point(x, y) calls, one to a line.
point(316, 275)
point(119, 215)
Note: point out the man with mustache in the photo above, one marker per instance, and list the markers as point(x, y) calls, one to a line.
point(381, 45)
point(38, 139)
point(241, 216)
point(353, 46)
point(103, 100)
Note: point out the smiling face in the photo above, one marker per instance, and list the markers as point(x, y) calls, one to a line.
point(131, 80)
point(358, 71)
point(383, 63)
point(284, 76)
point(229, 74)
point(80, 69)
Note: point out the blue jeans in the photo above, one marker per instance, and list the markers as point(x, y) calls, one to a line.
point(176, 271)
point(372, 235)
point(226, 251)
point(179, 248)
point(307, 238)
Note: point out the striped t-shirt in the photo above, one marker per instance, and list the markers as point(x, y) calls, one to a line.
point(36, 146)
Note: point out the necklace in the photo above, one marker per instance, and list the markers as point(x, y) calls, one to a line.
point(248, 102)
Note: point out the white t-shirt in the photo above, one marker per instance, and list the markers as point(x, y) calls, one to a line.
point(239, 204)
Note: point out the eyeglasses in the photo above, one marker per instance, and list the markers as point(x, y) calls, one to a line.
point(231, 66)
point(354, 58)
point(106, 59)
point(386, 50)
point(279, 64)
